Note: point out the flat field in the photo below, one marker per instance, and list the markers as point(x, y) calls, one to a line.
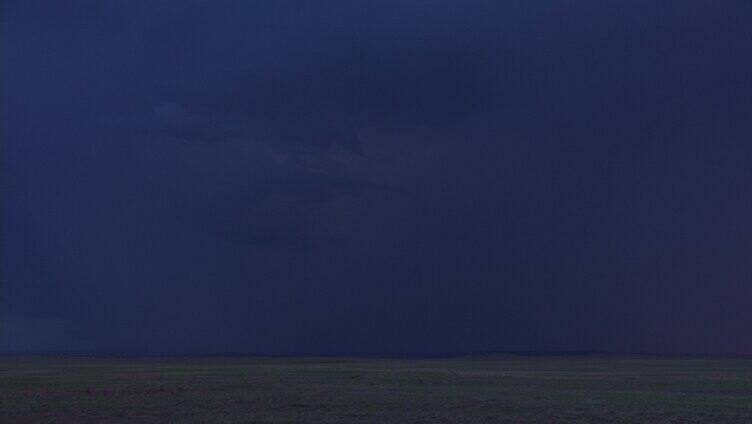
point(468, 390)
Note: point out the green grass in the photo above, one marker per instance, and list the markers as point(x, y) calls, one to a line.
point(469, 390)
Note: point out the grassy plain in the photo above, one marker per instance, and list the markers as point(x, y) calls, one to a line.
point(511, 389)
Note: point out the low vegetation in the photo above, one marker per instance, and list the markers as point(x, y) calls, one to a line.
point(468, 390)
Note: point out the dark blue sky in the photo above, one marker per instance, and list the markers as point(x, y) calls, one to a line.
point(392, 177)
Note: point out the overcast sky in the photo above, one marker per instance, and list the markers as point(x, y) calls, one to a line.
point(391, 177)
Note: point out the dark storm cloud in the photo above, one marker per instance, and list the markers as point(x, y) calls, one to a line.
point(305, 100)
point(383, 177)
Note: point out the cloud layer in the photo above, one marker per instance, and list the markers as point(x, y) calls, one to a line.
point(380, 177)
